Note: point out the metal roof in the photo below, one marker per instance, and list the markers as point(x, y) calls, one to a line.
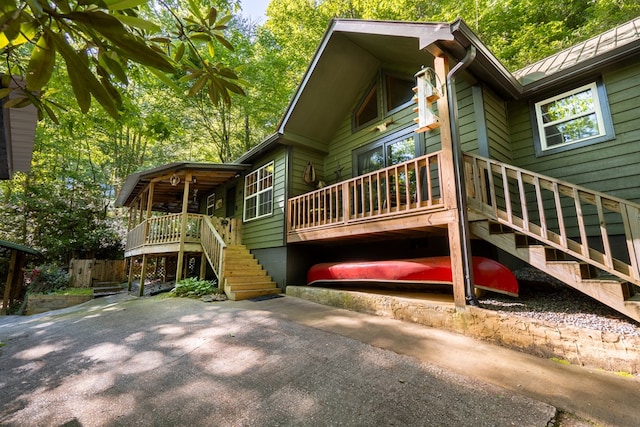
point(17, 247)
point(603, 47)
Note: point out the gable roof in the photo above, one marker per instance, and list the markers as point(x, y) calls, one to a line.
point(353, 51)
point(616, 44)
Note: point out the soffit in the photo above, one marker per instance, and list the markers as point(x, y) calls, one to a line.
point(168, 197)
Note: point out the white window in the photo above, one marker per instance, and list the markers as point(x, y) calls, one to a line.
point(573, 119)
point(258, 193)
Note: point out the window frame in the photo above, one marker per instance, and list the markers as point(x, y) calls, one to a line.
point(601, 110)
point(380, 86)
point(385, 142)
point(259, 191)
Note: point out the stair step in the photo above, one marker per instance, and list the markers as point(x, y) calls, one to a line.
point(245, 272)
point(247, 279)
point(242, 295)
point(497, 228)
point(250, 286)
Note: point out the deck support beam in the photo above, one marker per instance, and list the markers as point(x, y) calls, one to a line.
point(456, 243)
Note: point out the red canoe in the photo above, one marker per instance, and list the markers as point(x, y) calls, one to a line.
point(487, 273)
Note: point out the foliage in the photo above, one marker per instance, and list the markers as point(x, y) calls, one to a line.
point(193, 288)
point(46, 279)
point(74, 291)
point(99, 40)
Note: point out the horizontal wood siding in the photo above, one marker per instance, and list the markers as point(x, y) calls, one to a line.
point(497, 126)
point(466, 117)
point(345, 141)
point(268, 232)
point(611, 166)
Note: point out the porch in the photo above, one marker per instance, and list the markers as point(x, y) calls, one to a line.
point(171, 237)
point(398, 199)
point(585, 238)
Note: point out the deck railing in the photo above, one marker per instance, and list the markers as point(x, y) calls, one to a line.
point(213, 245)
point(164, 229)
point(403, 189)
point(557, 213)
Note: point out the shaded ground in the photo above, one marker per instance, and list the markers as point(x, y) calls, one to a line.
point(150, 361)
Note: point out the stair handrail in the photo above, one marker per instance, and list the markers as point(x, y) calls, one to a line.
point(213, 246)
point(483, 194)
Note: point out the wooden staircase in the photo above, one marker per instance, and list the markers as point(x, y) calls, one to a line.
point(610, 290)
point(243, 276)
point(560, 228)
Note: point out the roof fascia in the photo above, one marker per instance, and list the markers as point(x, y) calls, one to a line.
point(426, 33)
point(492, 65)
point(266, 144)
point(583, 69)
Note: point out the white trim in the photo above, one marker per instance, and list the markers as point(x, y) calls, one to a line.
point(593, 87)
point(261, 187)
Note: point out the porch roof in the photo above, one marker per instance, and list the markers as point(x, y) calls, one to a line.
point(208, 176)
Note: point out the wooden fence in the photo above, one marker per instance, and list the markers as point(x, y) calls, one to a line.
point(85, 272)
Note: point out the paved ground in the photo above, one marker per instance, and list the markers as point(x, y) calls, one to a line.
point(147, 361)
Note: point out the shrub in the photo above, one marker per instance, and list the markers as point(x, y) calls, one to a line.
point(46, 279)
point(193, 288)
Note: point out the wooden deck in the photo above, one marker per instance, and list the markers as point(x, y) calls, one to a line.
point(402, 198)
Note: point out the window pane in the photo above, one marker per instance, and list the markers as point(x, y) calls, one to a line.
point(368, 109)
point(250, 208)
point(399, 92)
point(371, 160)
point(401, 151)
point(264, 205)
point(564, 108)
point(572, 130)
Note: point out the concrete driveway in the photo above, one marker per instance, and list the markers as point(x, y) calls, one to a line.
point(121, 361)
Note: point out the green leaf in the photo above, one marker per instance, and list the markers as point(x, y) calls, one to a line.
point(124, 4)
point(43, 58)
point(109, 60)
point(224, 42)
point(198, 85)
point(166, 80)
point(213, 14)
point(83, 82)
point(135, 22)
point(4, 92)
point(200, 36)
point(179, 52)
point(195, 9)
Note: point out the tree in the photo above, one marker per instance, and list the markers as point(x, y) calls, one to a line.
point(98, 40)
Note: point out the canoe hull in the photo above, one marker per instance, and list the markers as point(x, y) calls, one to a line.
point(487, 273)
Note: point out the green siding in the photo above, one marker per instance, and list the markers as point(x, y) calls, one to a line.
point(268, 232)
point(497, 126)
point(300, 157)
point(610, 166)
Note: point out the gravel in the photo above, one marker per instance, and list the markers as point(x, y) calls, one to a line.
point(544, 298)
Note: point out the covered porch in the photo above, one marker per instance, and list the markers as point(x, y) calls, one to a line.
point(170, 227)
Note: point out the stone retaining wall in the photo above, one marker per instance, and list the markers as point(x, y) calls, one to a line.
point(579, 346)
point(41, 303)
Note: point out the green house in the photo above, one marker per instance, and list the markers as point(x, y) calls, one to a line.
point(408, 140)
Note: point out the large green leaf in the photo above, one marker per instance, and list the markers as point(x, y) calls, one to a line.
point(43, 58)
point(83, 82)
point(124, 4)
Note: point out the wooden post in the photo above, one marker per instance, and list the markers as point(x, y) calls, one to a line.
point(143, 275)
point(9, 283)
point(183, 227)
point(130, 278)
point(203, 266)
point(447, 166)
point(148, 214)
